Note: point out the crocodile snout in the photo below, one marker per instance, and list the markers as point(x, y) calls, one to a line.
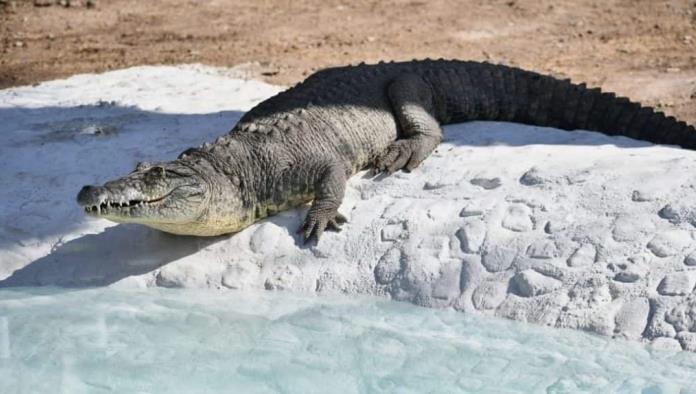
point(92, 195)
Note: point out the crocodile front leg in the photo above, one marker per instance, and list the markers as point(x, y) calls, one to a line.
point(414, 107)
point(328, 190)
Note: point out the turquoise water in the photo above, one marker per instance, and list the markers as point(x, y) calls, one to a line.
point(184, 341)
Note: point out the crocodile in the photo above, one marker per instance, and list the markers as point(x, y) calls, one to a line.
point(302, 144)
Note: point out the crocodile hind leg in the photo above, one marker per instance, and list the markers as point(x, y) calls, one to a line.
point(329, 189)
point(414, 107)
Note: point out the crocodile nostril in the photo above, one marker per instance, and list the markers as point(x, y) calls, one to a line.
point(142, 166)
point(91, 195)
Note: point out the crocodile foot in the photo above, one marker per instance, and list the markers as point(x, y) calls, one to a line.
point(318, 220)
point(404, 154)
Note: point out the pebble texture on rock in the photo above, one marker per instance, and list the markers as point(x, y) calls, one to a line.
point(564, 229)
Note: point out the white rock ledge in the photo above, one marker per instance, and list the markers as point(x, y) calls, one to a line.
point(564, 229)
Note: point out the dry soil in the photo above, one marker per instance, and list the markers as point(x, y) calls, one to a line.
point(643, 49)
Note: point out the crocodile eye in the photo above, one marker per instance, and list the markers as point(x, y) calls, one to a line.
point(157, 170)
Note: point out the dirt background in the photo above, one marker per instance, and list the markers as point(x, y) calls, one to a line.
point(644, 49)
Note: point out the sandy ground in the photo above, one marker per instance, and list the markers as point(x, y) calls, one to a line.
point(643, 49)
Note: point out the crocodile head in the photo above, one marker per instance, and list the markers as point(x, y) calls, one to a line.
point(187, 197)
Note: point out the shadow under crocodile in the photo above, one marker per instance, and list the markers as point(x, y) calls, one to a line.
point(105, 258)
point(121, 251)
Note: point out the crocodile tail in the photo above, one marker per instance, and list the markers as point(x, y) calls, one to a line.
point(532, 98)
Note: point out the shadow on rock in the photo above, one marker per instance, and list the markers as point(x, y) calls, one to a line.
point(47, 154)
point(101, 259)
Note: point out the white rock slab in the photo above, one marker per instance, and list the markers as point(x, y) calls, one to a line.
point(577, 218)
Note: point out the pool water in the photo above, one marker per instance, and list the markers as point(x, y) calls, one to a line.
point(186, 341)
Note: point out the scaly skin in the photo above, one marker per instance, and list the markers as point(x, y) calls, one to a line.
point(302, 144)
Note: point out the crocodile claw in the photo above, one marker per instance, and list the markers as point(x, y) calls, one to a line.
point(317, 222)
